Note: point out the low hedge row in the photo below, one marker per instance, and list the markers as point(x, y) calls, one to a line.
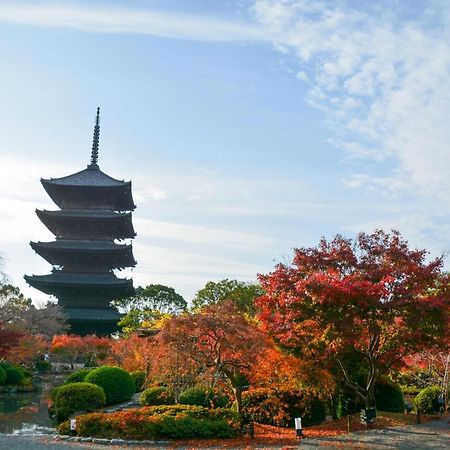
point(158, 422)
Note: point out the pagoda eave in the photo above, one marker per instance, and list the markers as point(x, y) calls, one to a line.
point(117, 197)
point(90, 225)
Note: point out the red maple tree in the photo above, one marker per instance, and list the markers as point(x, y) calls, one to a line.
point(217, 337)
point(372, 296)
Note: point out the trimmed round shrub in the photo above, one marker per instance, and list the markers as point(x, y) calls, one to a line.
point(5, 364)
point(156, 396)
point(280, 407)
point(201, 396)
point(427, 399)
point(14, 375)
point(3, 376)
point(74, 397)
point(53, 393)
point(77, 376)
point(116, 382)
point(389, 397)
point(42, 366)
point(139, 378)
point(27, 373)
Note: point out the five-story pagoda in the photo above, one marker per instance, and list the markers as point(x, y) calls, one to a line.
point(95, 211)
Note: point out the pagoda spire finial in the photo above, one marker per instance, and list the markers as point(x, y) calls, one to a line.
point(95, 141)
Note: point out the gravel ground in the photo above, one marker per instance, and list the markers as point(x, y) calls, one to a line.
point(433, 435)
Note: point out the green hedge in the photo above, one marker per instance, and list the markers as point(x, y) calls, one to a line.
point(14, 375)
point(74, 397)
point(77, 376)
point(389, 397)
point(139, 378)
point(280, 407)
point(3, 376)
point(201, 396)
point(116, 382)
point(156, 396)
point(427, 399)
point(159, 422)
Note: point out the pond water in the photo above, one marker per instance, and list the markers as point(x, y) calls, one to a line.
point(26, 410)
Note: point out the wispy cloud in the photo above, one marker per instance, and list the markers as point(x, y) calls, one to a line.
point(380, 72)
point(110, 19)
point(381, 77)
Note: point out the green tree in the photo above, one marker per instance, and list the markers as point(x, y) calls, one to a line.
point(154, 297)
point(139, 319)
point(19, 312)
point(241, 293)
point(149, 307)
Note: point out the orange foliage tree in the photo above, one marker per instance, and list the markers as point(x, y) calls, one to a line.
point(217, 337)
point(372, 296)
point(132, 353)
point(71, 347)
point(28, 349)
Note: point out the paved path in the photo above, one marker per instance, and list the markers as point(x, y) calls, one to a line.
point(431, 436)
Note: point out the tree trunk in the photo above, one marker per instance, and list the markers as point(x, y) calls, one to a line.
point(238, 397)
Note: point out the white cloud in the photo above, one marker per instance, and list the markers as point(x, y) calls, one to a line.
point(150, 229)
point(109, 19)
point(382, 78)
point(385, 82)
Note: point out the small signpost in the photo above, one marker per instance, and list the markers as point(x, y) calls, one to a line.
point(73, 425)
point(298, 426)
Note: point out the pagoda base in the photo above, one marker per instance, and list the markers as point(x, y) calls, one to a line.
point(84, 321)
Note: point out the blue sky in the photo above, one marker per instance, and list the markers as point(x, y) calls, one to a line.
point(247, 127)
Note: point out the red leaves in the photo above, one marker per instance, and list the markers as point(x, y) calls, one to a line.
point(373, 295)
point(9, 338)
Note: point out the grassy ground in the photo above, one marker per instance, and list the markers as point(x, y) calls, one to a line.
point(266, 435)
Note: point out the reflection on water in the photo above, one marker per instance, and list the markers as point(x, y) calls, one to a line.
point(25, 410)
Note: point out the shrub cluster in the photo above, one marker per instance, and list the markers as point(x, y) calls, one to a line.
point(139, 378)
point(77, 376)
point(14, 375)
point(202, 396)
point(427, 399)
point(158, 422)
point(117, 383)
point(3, 376)
point(74, 397)
point(42, 366)
point(279, 407)
point(156, 396)
point(389, 397)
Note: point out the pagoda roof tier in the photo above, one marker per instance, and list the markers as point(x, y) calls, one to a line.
point(92, 176)
point(86, 254)
point(93, 314)
point(90, 188)
point(88, 224)
point(83, 285)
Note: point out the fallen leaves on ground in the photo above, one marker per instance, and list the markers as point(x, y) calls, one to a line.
point(266, 435)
